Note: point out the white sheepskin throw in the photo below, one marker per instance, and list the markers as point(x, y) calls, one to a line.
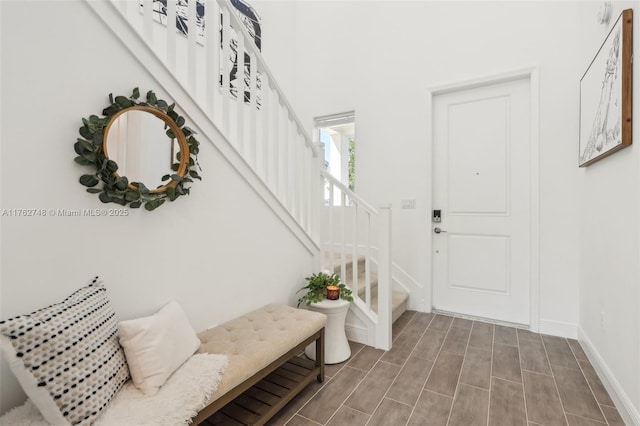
point(178, 401)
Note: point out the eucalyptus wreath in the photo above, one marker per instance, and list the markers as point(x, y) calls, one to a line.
point(117, 189)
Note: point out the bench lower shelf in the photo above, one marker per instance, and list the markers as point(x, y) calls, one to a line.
point(260, 397)
point(260, 402)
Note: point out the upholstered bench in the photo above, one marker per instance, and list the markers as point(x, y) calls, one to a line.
point(264, 371)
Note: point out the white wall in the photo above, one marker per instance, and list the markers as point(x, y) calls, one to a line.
point(610, 238)
point(59, 63)
point(390, 53)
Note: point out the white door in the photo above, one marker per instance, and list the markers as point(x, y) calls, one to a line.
point(481, 258)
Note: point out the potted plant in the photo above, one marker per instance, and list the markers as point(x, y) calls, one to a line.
point(323, 285)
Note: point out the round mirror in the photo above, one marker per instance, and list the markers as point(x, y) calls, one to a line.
point(136, 146)
point(138, 140)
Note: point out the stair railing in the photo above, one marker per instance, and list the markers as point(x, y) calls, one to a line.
point(252, 111)
point(355, 232)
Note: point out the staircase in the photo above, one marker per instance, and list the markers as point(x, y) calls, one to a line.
point(263, 139)
point(399, 297)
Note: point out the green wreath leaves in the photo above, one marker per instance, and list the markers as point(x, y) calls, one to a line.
point(117, 189)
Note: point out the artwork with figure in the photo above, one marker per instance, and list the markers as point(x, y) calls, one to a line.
point(601, 101)
point(249, 18)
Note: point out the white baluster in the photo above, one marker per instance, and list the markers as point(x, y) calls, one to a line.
point(253, 110)
point(212, 46)
point(383, 329)
point(225, 69)
point(240, 88)
point(147, 26)
point(332, 258)
point(171, 35)
point(367, 262)
point(192, 34)
point(354, 249)
point(343, 221)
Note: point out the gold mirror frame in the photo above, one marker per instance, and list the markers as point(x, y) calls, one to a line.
point(92, 151)
point(182, 142)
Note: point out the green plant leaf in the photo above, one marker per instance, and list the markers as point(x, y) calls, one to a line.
point(89, 180)
point(170, 134)
point(194, 174)
point(175, 167)
point(77, 147)
point(98, 137)
point(136, 93)
point(153, 204)
point(81, 160)
point(131, 195)
point(151, 98)
point(94, 190)
point(85, 132)
point(171, 193)
point(124, 102)
point(111, 109)
point(143, 189)
point(135, 204)
point(104, 197)
point(166, 177)
point(180, 121)
point(90, 156)
point(162, 105)
point(121, 184)
point(176, 177)
point(111, 166)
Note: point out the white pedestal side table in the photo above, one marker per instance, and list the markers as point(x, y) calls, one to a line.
point(336, 348)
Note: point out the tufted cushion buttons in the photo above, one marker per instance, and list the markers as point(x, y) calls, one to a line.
point(258, 338)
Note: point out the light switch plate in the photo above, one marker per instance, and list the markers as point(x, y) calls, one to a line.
point(409, 203)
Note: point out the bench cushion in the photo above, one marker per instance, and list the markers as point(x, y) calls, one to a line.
point(255, 340)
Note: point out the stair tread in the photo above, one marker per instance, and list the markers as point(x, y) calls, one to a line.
point(399, 298)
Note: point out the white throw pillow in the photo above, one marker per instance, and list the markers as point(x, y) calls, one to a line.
point(155, 346)
point(67, 357)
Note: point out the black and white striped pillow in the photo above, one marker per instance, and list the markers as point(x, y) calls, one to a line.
point(67, 356)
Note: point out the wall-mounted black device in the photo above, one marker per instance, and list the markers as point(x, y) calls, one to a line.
point(437, 216)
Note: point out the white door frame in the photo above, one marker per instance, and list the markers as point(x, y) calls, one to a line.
point(527, 72)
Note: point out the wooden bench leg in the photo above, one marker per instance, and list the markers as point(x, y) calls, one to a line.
point(320, 355)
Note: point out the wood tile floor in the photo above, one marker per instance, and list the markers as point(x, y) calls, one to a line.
point(451, 371)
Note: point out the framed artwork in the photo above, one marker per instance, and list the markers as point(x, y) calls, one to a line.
point(605, 95)
point(249, 18)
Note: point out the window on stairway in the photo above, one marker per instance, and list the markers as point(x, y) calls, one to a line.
point(338, 135)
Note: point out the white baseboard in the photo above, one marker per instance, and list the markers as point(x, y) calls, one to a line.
point(625, 407)
point(357, 334)
point(557, 328)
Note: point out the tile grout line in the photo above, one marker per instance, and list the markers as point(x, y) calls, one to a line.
point(394, 379)
point(306, 418)
point(544, 345)
point(351, 393)
point(588, 384)
point(592, 420)
point(526, 413)
point(326, 382)
point(493, 344)
point(431, 369)
point(455, 392)
point(309, 400)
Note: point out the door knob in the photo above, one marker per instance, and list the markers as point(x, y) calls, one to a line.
point(438, 230)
